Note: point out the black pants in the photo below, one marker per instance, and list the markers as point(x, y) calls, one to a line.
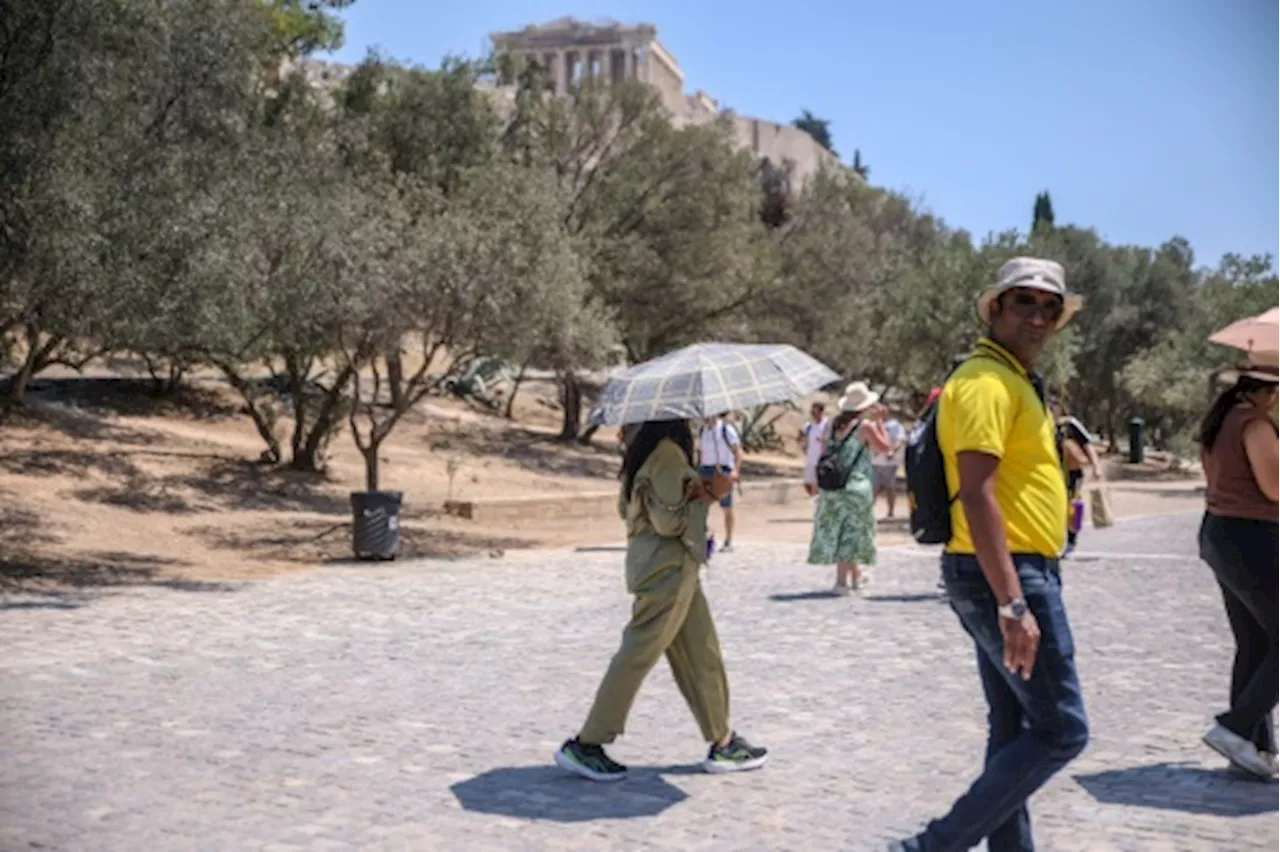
point(1242, 554)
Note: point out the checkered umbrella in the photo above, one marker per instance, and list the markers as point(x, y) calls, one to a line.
point(706, 379)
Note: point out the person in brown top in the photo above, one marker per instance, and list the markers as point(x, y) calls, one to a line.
point(1238, 540)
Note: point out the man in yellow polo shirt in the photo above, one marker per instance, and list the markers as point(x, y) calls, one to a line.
point(1008, 523)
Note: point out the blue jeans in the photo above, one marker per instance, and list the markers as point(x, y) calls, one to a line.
point(1036, 726)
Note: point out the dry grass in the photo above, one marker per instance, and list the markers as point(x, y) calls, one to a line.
point(104, 483)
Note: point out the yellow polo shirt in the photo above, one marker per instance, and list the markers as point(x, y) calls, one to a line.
point(989, 405)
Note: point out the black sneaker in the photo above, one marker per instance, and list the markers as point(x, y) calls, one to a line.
point(589, 761)
point(736, 756)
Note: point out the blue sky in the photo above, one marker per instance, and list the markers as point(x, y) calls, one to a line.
point(1143, 118)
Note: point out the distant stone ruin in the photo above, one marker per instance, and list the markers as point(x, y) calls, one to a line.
point(573, 51)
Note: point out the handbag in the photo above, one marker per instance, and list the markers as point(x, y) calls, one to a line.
point(1100, 507)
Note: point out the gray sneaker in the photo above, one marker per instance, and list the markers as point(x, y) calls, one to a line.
point(1242, 753)
point(589, 761)
point(737, 755)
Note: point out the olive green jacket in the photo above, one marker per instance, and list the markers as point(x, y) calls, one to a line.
point(665, 528)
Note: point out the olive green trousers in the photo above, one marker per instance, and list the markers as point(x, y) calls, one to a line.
point(669, 616)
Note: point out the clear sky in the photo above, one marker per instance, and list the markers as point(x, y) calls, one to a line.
point(1143, 118)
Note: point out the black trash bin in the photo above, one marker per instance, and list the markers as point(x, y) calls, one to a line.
point(1136, 450)
point(375, 524)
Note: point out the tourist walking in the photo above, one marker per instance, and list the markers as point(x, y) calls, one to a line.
point(811, 442)
point(1008, 526)
point(1076, 448)
point(885, 463)
point(664, 503)
point(720, 451)
point(844, 526)
point(1238, 447)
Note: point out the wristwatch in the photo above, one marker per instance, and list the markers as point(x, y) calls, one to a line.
point(1014, 609)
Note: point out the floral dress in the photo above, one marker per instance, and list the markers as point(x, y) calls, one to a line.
point(844, 528)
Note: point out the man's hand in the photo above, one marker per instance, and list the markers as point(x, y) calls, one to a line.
point(1021, 641)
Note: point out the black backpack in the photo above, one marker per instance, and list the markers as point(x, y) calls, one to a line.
point(832, 477)
point(928, 499)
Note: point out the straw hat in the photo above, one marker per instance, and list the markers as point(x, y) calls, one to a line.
point(1031, 273)
point(857, 397)
point(1255, 368)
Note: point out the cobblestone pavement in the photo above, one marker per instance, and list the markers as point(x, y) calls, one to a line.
point(416, 706)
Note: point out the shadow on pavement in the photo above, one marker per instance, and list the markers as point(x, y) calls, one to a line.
point(919, 597)
point(803, 596)
point(550, 793)
point(1181, 787)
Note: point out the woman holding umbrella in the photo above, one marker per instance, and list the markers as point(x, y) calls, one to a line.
point(1239, 542)
point(664, 503)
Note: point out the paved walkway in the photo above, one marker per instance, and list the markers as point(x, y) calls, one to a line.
point(416, 706)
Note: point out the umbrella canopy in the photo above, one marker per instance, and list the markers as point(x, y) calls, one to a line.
point(1260, 334)
point(709, 378)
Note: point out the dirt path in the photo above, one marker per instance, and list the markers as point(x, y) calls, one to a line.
point(111, 487)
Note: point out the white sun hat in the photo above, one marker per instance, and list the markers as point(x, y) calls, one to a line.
point(1032, 273)
point(857, 397)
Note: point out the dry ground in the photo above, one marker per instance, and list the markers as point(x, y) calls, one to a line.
point(102, 483)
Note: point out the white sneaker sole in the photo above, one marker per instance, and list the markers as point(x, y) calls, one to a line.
point(1223, 748)
point(717, 767)
point(578, 769)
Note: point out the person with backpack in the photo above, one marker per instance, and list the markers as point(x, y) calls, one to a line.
point(844, 526)
point(985, 478)
point(720, 451)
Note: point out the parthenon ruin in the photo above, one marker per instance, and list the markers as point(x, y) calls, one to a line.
point(573, 51)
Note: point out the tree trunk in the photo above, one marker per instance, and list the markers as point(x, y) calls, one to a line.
point(37, 358)
point(509, 413)
point(297, 376)
point(308, 457)
point(571, 399)
point(166, 376)
point(395, 379)
point(370, 454)
point(261, 421)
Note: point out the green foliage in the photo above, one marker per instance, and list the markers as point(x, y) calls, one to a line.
point(818, 128)
point(175, 182)
point(303, 27)
point(1042, 214)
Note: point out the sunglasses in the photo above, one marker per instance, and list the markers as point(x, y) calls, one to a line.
point(1026, 305)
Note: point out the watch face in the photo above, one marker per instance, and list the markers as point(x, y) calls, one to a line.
point(1019, 609)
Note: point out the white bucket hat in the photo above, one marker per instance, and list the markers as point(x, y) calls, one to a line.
point(857, 397)
point(1032, 273)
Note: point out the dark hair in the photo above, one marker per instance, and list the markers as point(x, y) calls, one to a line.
point(651, 433)
point(843, 419)
point(821, 406)
point(1227, 400)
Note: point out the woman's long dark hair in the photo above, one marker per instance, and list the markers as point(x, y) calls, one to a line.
point(1227, 400)
point(843, 419)
point(646, 441)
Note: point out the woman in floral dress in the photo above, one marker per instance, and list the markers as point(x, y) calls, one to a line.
point(844, 528)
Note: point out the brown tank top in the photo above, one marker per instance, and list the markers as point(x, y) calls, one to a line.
point(1232, 491)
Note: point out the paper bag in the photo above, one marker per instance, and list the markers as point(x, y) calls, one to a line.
point(1100, 507)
